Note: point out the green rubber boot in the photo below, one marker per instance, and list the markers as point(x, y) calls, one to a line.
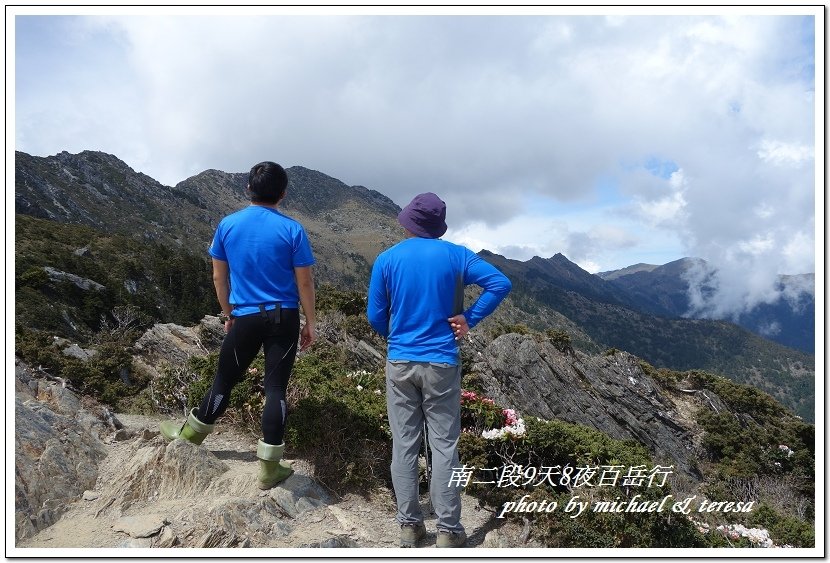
point(271, 469)
point(193, 430)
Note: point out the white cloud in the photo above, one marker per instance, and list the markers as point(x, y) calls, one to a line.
point(586, 237)
point(758, 245)
point(477, 109)
point(771, 329)
point(764, 211)
point(784, 154)
point(664, 211)
point(798, 248)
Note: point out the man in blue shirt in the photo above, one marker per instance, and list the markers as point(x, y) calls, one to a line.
point(262, 263)
point(416, 302)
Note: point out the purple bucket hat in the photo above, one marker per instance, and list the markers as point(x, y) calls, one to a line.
point(425, 216)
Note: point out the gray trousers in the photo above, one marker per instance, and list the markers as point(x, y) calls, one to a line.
point(418, 391)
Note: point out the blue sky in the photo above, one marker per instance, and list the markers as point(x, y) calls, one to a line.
point(614, 137)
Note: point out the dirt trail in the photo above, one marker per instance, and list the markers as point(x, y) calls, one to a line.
point(152, 495)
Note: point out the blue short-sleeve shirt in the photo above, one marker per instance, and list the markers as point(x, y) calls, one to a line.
point(262, 247)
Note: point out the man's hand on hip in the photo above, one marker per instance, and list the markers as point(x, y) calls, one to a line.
point(459, 326)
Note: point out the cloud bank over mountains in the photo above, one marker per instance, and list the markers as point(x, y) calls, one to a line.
point(612, 139)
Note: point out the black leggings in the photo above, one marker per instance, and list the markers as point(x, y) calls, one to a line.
point(241, 345)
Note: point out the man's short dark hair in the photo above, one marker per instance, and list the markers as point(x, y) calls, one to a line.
point(267, 182)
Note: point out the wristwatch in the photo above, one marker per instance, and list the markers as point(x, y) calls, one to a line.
point(224, 317)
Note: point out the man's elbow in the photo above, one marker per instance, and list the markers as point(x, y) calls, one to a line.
point(378, 324)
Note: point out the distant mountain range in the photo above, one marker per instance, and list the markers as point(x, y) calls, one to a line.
point(789, 321)
point(91, 216)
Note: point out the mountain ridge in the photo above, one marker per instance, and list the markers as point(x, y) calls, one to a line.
point(349, 226)
point(558, 350)
point(789, 320)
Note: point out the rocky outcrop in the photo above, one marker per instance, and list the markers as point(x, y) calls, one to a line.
point(152, 495)
point(364, 348)
point(611, 393)
point(81, 283)
point(73, 350)
point(97, 189)
point(172, 344)
point(58, 444)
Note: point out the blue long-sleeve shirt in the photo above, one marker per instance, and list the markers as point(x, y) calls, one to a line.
point(412, 291)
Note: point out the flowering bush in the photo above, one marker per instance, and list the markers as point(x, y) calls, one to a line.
point(757, 536)
point(785, 450)
point(478, 413)
point(515, 430)
point(738, 535)
point(777, 459)
point(481, 416)
point(363, 379)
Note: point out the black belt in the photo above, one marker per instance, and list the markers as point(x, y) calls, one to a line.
point(277, 313)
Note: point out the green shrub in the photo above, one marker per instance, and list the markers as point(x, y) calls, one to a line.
point(499, 328)
point(478, 413)
point(744, 398)
point(556, 444)
point(33, 277)
point(665, 378)
point(358, 326)
point(329, 298)
point(757, 438)
point(784, 530)
point(36, 348)
point(35, 310)
point(561, 340)
point(724, 436)
point(337, 419)
point(742, 447)
point(108, 376)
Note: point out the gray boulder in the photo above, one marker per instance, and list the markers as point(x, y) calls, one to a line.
point(611, 393)
point(82, 283)
point(58, 446)
point(172, 344)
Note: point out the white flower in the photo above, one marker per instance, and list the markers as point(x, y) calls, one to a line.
point(786, 449)
point(360, 387)
point(517, 429)
point(756, 536)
